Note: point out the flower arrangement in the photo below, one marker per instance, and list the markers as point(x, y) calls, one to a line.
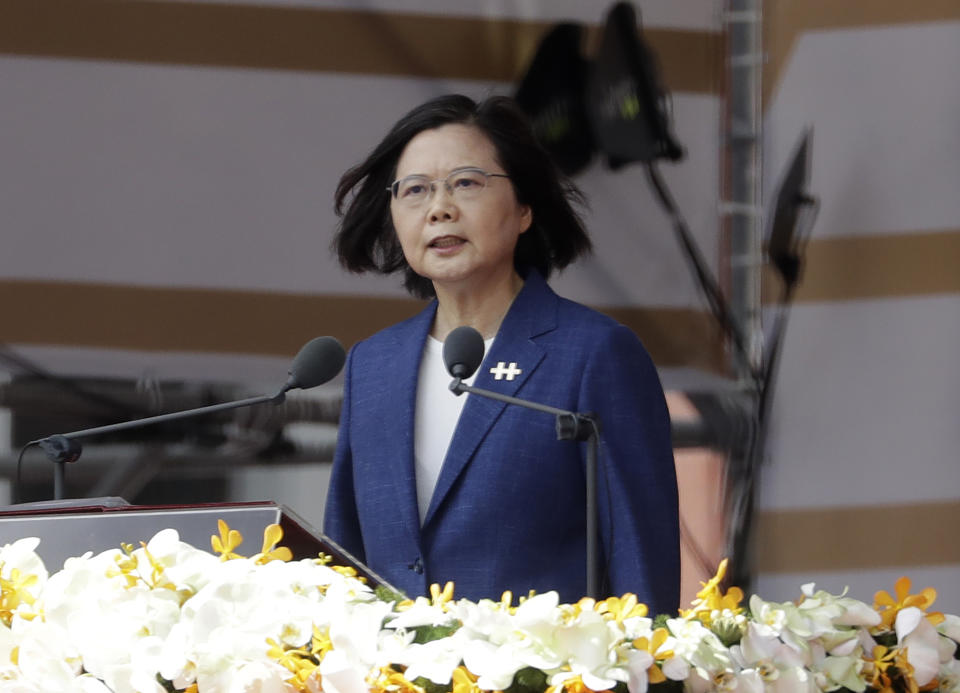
point(169, 617)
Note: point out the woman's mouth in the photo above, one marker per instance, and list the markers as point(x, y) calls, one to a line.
point(444, 242)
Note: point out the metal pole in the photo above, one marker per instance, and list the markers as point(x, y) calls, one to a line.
point(743, 21)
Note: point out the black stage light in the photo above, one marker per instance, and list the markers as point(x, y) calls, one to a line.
point(625, 100)
point(551, 94)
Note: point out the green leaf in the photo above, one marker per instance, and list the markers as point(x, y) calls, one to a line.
point(660, 621)
point(528, 680)
point(385, 594)
point(431, 687)
point(425, 634)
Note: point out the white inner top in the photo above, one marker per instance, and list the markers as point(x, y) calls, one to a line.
point(435, 419)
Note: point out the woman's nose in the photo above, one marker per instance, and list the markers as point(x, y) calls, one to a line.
point(442, 206)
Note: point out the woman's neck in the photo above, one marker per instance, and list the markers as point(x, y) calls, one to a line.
point(483, 309)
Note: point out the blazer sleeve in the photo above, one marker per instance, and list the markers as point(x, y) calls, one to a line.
point(341, 521)
point(636, 476)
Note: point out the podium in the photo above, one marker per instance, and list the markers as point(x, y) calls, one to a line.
point(71, 527)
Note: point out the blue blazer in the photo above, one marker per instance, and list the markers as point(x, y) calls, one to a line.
point(508, 511)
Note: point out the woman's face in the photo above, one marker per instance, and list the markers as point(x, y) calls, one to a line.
point(458, 240)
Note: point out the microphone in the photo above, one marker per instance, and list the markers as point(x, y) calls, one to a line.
point(463, 351)
point(462, 355)
point(317, 362)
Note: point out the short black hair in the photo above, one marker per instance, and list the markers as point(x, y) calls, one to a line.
point(365, 239)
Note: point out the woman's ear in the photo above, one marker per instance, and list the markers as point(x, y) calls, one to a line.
point(526, 218)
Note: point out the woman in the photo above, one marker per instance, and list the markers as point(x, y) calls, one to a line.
point(461, 198)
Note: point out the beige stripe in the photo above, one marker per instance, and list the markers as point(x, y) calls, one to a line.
point(255, 322)
point(795, 541)
point(786, 20)
point(877, 266)
point(322, 40)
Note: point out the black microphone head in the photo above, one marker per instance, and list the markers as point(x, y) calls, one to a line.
point(463, 351)
point(318, 361)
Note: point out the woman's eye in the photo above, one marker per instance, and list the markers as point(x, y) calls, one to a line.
point(416, 189)
point(466, 183)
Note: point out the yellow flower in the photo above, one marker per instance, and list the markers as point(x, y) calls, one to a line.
point(297, 661)
point(876, 667)
point(348, 571)
point(905, 670)
point(320, 643)
point(388, 680)
point(156, 572)
point(574, 684)
point(621, 608)
point(228, 540)
point(272, 534)
point(441, 597)
point(15, 591)
point(712, 599)
point(653, 645)
point(127, 566)
point(888, 607)
point(463, 681)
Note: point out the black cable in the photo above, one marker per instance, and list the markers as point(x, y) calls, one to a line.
point(17, 495)
point(603, 579)
point(703, 561)
point(9, 356)
point(714, 296)
point(741, 517)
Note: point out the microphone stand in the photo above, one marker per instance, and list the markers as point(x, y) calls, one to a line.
point(570, 426)
point(65, 448)
point(317, 362)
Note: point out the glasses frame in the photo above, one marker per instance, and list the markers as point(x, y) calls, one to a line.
point(394, 187)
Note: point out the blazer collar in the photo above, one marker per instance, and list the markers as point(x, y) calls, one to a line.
point(533, 312)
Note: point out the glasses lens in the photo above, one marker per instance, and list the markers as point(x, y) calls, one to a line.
point(412, 189)
point(467, 182)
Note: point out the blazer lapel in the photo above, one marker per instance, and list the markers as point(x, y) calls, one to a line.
point(532, 313)
point(399, 401)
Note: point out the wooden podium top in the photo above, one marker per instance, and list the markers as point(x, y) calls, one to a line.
point(69, 528)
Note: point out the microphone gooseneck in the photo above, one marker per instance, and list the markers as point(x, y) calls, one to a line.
point(463, 352)
point(317, 362)
point(462, 355)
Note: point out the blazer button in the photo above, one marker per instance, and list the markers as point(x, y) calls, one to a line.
point(417, 566)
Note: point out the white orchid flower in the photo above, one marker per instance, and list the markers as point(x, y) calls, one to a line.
point(950, 627)
point(434, 660)
point(949, 677)
point(494, 665)
point(423, 612)
point(638, 664)
point(238, 675)
point(767, 660)
point(770, 617)
point(699, 646)
point(46, 661)
point(343, 674)
point(354, 632)
point(921, 641)
point(22, 556)
point(498, 642)
point(588, 646)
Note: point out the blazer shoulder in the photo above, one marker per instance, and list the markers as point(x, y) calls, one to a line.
point(388, 338)
point(596, 332)
point(573, 315)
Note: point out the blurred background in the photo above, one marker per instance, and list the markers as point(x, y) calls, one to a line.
point(166, 180)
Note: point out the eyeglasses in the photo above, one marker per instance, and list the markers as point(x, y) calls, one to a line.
point(463, 183)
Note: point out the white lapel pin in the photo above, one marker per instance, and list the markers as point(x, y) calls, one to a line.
point(502, 370)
